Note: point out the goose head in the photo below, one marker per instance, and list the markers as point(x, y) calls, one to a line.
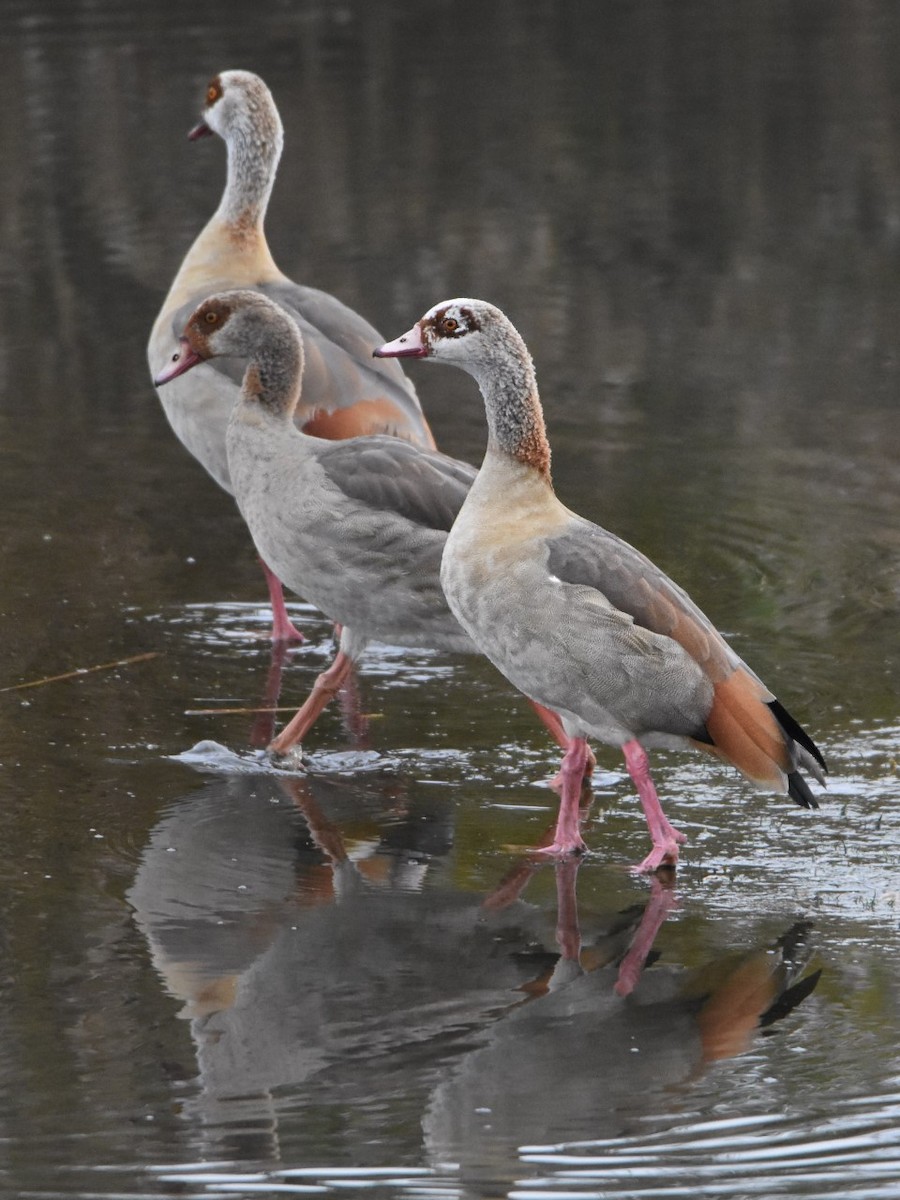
point(241, 323)
point(470, 334)
point(239, 103)
point(457, 331)
point(481, 340)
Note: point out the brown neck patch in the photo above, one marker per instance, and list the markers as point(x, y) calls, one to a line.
point(253, 384)
point(533, 449)
point(245, 228)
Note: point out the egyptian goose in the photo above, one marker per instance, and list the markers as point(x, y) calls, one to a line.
point(344, 392)
point(579, 620)
point(357, 527)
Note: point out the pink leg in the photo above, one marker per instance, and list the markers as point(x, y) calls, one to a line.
point(323, 691)
point(660, 904)
point(665, 837)
point(567, 839)
point(554, 727)
point(283, 628)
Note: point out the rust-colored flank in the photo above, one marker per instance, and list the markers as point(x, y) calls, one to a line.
point(367, 417)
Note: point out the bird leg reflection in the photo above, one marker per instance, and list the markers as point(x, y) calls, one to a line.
point(263, 729)
point(629, 942)
point(662, 901)
point(324, 833)
point(355, 720)
point(568, 931)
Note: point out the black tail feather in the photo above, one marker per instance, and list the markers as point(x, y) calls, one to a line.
point(796, 731)
point(796, 953)
point(798, 790)
point(789, 999)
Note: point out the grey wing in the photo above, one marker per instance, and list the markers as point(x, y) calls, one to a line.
point(566, 645)
point(393, 476)
point(589, 555)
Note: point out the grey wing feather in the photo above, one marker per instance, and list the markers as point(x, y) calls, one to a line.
point(587, 554)
point(577, 644)
point(386, 474)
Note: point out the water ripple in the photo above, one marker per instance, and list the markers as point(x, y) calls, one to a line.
point(769, 1155)
point(216, 1180)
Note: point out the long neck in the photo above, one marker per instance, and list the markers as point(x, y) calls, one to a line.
point(253, 155)
point(514, 414)
point(273, 376)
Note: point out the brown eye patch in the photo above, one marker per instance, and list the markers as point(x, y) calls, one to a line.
point(452, 328)
point(211, 315)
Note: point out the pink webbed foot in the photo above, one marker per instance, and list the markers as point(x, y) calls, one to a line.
point(284, 629)
point(663, 854)
point(562, 849)
point(666, 841)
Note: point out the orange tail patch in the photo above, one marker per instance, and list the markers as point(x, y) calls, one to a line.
point(745, 731)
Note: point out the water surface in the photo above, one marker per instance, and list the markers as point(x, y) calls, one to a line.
point(222, 981)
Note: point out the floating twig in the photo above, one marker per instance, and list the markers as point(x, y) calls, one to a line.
point(215, 712)
point(120, 662)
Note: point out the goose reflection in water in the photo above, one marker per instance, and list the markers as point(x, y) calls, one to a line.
point(299, 959)
point(590, 1055)
point(329, 954)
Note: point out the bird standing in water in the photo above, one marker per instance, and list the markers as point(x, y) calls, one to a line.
point(357, 526)
point(345, 393)
point(579, 620)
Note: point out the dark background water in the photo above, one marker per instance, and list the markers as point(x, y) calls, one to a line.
point(691, 210)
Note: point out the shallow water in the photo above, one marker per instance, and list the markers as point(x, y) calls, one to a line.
point(220, 980)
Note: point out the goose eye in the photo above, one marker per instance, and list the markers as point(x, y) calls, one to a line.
point(211, 318)
point(213, 92)
point(449, 325)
